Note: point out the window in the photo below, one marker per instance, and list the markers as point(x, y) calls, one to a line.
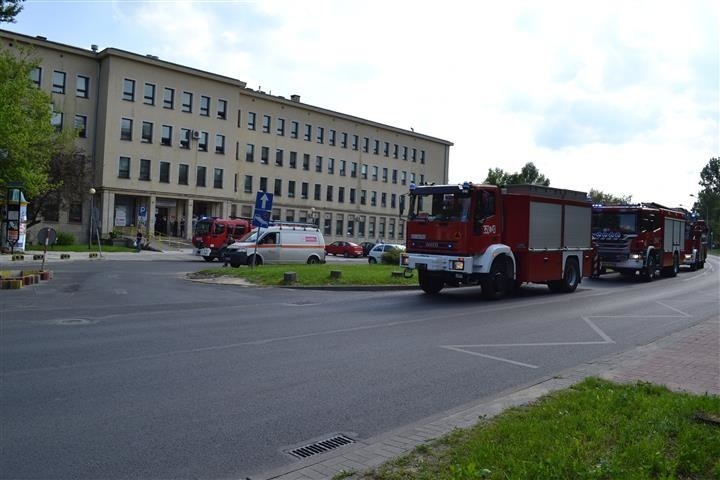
point(222, 109)
point(353, 169)
point(263, 184)
point(220, 144)
point(343, 140)
point(361, 226)
point(355, 142)
point(339, 221)
point(183, 170)
point(363, 197)
point(128, 92)
point(363, 171)
point(147, 132)
point(251, 121)
point(290, 215)
point(169, 98)
point(294, 126)
point(304, 190)
point(81, 125)
point(36, 76)
point(82, 86)
point(248, 184)
point(166, 135)
point(320, 135)
point(343, 163)
point(373, 199)
point(149, 94)
point(279, 157)
point(126, 125)
point(329, 193)
point(376, 147)
point(414, 155)
point(404, 153)
point(331, 137)
point(422, 157)
point(75, 213)
point(58, 82)
point(218, 178)
point(403, 177)
point(266, 124)
point(185, 138)
point(306, 162)
point(249, 152)
point(366, 144)
point(316, 195)
point(124, 167)
point(386, 149)
point(375, 172)
point(352, 195)
point(280, 127)
point(394, 176)
point(204, 106)
point(291, 188)
point(144, 169)
point(278, 187)
point(203, 142)
point(393, 200)
point(201, 173)
point(293, 160)
point(341, 194)
point(384, 174)
point(383, 199)
point(327, 225)
point(308, 132)
point(186, 102)
point(371, 227)
point(318, 163)
point(265, 155)
point(331, 166)
point(164, 172)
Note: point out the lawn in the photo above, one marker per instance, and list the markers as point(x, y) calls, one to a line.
point(78, 248)
point(318, 275)
point(593, 430)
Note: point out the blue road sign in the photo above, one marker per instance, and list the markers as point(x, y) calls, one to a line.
point(263, 209)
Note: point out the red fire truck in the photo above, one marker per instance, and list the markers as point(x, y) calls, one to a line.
point(696, 240)
point(212, 234)
point(498, 237)
point(639, 239)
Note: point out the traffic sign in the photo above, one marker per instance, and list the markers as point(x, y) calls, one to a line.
point(263, 209)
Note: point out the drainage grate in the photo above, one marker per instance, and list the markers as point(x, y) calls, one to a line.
point(321, 446)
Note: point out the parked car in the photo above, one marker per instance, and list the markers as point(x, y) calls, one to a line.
point(376, 253)
point(367, 246)
point(346, 249)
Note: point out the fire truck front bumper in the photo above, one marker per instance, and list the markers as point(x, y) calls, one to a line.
point(437, 263)
point(634, 262)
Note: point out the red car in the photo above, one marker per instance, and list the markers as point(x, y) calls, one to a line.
point(346, 249)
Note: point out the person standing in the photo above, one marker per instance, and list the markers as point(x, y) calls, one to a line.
point(138, 240)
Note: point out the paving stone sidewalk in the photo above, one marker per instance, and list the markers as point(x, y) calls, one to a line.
point(688, 360)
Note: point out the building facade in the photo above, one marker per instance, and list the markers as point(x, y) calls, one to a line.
point(169, 143)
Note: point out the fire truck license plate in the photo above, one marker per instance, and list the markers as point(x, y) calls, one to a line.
point(205, 252)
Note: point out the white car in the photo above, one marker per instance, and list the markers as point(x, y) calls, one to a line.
point(375, 254)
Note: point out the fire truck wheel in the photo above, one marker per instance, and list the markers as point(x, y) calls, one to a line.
point(430, 284)
point(498, 281)
point(571, 278)
point(649, 273)
point(672, 271)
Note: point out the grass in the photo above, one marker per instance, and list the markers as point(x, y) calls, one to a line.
point(593, 430)
point(317, 275)
point(78, 248)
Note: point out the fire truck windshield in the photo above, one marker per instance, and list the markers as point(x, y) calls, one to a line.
point(614, 222)
point(440, 207)
point(202, 227)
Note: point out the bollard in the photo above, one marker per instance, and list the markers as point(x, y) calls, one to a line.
point(64, 256)
point(11, 284)
point(93, 254)
point(38, 257)
point(289, 277)
point(335, 274)
point(45, 275)
point(17, 257)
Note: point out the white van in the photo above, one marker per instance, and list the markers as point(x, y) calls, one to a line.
point(278, 243)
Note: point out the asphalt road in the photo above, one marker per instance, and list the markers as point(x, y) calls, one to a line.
point(124, 369)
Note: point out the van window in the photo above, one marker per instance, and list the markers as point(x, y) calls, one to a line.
point(269, 239)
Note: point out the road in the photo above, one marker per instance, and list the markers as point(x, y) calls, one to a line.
point(118, 369)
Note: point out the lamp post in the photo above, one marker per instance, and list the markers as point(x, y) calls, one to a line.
point(92, 214)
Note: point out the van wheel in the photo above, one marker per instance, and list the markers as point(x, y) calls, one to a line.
point(313, 261)
point(258, 260)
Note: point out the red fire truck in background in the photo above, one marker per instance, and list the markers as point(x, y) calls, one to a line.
point(639, 239)
point(498, 237)
point(696, 241)
point(212, 235)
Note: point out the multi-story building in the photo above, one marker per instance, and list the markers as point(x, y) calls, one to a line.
point(169, 143)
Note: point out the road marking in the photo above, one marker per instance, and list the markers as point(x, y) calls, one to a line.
point(491, 357)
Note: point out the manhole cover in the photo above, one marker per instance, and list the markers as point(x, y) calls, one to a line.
point(321, 446)
point(73, 321)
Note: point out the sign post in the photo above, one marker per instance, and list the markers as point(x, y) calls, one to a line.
point(261, 216)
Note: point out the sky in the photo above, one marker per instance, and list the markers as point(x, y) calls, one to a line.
point(618, 96)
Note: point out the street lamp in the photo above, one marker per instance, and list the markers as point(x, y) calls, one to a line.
point(92, 208)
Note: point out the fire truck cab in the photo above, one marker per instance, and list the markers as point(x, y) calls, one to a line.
point(497, 237)
point(212, 235)
point(696, 242)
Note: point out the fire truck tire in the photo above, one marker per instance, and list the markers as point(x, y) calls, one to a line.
point(649, 274)
point(673, 270)
point(497, 284)
point(208, 259)
point(430, 284)
point(571, 278)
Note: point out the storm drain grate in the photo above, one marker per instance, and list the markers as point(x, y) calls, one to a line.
point(321, 446)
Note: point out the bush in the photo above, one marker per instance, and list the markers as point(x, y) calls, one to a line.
point(64, 238)
point(391, 258)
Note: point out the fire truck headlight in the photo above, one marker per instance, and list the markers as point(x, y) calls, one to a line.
point(688, 256)
point(635, 256)
point(404, 259)
point(458, 264)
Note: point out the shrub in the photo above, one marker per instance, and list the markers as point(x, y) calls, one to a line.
point(391, 258)
point(65, 238)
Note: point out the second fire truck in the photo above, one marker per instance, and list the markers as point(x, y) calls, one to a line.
point(498, 237)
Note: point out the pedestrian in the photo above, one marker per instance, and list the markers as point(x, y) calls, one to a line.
point(182, 226)
point(138, 240)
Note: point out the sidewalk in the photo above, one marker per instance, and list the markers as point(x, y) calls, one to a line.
point(688, 360)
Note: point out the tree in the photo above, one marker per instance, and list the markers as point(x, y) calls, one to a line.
point(707, 203)
point(600, 197)
point(9, 9)
point(528, 175)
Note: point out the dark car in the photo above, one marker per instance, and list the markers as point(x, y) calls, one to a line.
point(346, 249)
point(367, 246)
